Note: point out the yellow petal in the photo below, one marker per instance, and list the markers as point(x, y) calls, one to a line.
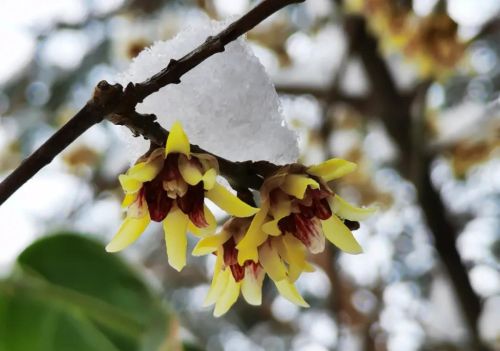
point(216, 289)
point(177, 140)
point(296, 185)
point(210, 229)
point(253, 238)
point(271, 262)
point(175, 226)
point(129, 231)
point(129, 199)
point(294, 272)
point(189, 170)
point(129, 184)
point(219, 281)
point(294, 253)
point(210, 243)
point(251, 286)
point(309, 268)
point(290, 292)
point(138, 208)
point(332, 169)
point(207, 161)
point(148, 170)
point(209, 179)
point(345, 210)
point(295, 249)
point(278, 211)
point(282, 207)
point(216, 286)
point(248, 254)
point(271, 228)
point(228, 296)
point(295, 256)
point(229, 202)
point(340, 236)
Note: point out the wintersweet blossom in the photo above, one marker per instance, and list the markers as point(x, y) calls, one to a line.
point(278, 259)
point(298, 210)
point(169, 185)
point(297, 200)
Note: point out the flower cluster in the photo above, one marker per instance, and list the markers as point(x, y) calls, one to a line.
point(170, 185)
point(297, 212)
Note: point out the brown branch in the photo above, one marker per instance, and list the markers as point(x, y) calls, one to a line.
point(331, 95)
point(445, 243)
point(318, 93)
point(118, 105)
point(91, 114)
point(388, 103)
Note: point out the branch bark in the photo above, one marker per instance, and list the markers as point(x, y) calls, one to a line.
point(116, 104)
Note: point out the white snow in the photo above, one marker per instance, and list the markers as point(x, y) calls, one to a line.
point(227, 104)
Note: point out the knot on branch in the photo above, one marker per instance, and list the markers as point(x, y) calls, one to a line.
point(130, 99)
point(144, 125)
point(106, 96)
point(215, 43)
point(170, 67)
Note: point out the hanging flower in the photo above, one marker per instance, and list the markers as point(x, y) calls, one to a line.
point(298, 210)
point(297, 201)
point(283, 259)
point(170, 185)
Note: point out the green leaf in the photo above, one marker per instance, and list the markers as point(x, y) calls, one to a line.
point(69, 291)
point(28, 324)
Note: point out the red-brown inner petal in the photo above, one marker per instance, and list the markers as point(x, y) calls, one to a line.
point(159, 204)
point(170, 169)
point(192, 205)
point(322, 209)
point(308, 229)
point(287, 224)
point(231, 260)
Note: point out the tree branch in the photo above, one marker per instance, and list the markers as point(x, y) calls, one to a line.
point(445, 243)
point(388, 102)
point(91, 114)
point(396, 115)
point(116, 104)
point(332, 95)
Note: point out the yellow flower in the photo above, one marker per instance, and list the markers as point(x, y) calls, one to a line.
point(297, 202)
point(283, 259)
point(431, 43)
point(298, 210)
point(170, 186)
point(435, 45)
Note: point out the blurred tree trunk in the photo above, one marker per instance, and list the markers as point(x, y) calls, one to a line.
point(403, 121)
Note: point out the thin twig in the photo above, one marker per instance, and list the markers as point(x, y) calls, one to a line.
point(116, 104)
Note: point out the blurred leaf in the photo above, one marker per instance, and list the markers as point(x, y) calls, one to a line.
point(191, 347)
point(70, 294)
point(33, 324)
